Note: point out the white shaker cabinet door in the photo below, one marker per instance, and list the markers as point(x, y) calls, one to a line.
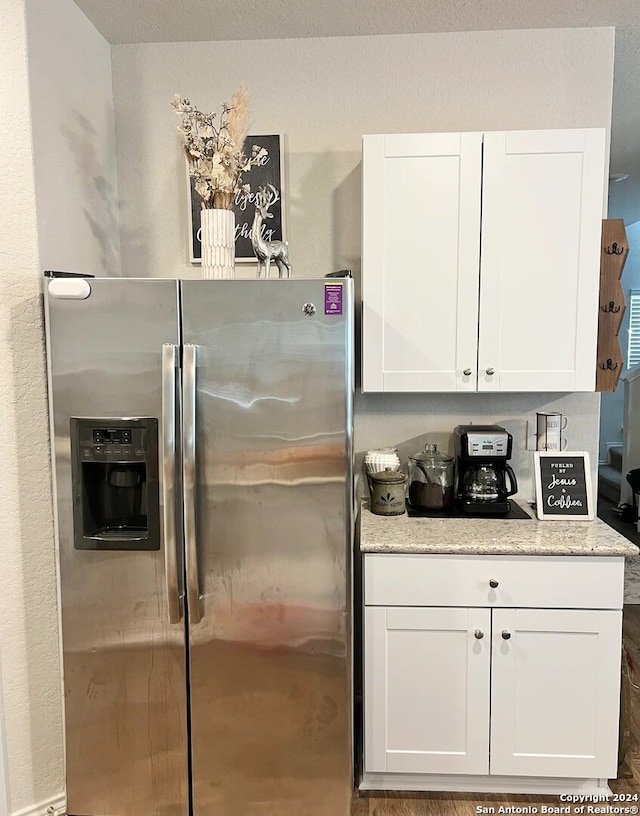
point(555, 692)
point(542, 207)
point(420, 261)
point(426, 693)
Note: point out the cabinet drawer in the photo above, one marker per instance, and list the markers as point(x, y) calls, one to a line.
point(557, 582)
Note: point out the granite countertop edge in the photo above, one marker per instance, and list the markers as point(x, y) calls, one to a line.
point(473, 536)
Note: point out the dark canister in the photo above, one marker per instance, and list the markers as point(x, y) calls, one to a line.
point(388, 489)
point(431, 479)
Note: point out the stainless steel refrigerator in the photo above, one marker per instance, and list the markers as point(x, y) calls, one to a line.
point(202, 443)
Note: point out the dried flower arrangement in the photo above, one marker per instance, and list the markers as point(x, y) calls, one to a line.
point(215, 153)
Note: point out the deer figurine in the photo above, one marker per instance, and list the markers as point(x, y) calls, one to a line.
point(267, 251)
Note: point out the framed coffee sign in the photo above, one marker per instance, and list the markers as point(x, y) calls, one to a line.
point(563, 486)
point(269, 171)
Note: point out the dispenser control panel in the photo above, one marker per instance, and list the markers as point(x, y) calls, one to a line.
point(105, 444)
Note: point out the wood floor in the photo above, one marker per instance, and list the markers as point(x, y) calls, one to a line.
point(458, 804)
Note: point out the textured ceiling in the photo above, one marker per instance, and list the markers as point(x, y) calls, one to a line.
point(138, 21)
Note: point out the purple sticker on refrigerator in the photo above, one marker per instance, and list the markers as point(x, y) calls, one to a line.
point(333, 298)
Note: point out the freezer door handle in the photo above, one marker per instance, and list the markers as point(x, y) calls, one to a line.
point(189, 480)
point(168, 453)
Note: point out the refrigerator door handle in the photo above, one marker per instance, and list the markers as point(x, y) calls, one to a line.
point(168, 453)
point(189, 480)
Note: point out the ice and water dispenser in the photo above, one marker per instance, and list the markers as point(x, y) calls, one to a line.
point(114, 464)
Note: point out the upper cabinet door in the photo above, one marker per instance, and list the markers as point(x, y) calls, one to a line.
point(420, 256)
point(542, 206)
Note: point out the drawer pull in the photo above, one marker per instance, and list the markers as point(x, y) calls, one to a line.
point(478, 634)
point(505, 635)
point(493, 583)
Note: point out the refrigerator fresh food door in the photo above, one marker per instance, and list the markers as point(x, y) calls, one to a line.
point(113, 354)
point(268, 475)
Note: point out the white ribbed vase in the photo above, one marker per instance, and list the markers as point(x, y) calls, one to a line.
point(217, 237)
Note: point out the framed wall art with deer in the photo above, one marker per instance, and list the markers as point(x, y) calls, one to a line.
point(269, 173)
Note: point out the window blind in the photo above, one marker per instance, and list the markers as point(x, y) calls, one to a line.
point(633, 349)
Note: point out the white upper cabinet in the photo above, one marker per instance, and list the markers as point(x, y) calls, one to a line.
point(420, 256)
point(542, 194)
point(503, 298)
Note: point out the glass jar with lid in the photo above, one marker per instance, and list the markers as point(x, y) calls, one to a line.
point(431, 479)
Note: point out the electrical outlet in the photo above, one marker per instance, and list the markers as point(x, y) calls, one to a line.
point(531, 442)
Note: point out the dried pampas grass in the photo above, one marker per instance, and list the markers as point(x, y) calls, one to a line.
point(215, 153)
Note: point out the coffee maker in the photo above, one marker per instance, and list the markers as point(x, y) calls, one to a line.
point(482, 452)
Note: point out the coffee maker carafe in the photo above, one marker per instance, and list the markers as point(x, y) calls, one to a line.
point(482, 453)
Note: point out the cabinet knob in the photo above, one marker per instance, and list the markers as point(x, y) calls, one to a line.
point(467, 372)
point(505, 635)
point(478, 634)
point(491, 371)
point(493, 583)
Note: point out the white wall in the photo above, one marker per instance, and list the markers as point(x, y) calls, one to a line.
point(28, 634)
point(4, 770)
point(624, 202)
point(57, 169)
point(324, 94)
point(73, 140)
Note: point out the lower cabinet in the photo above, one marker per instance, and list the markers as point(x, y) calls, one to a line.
point(555, 690)
point(501, 691)
point(427, 689)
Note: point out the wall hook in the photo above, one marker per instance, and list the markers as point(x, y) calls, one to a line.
point(610, 307)
point(609, 366)
point(614, 250)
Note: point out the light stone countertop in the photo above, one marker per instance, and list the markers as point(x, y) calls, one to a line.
point(491, 536)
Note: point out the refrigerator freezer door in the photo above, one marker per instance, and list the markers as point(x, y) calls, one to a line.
point(270, 657)
point(124, 662)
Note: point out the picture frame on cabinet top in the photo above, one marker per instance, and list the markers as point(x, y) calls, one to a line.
point(564, 490)
point(271, 172)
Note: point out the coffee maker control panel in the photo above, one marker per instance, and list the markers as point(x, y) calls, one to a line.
point(487, 444)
